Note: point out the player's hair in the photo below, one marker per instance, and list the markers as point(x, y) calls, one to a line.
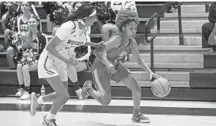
point(105, 14)
point(82, 12)
point(125, 16)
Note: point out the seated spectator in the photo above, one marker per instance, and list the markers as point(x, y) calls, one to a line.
point(58, 12)
point(75, 6)
point(171, 6)
point(29, 55)
point(21, 27)
point(209, 26)
point(212, 39)
point(8, 21)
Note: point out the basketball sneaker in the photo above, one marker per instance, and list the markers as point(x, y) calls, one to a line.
point(86, 87)
point(47, 122)
point(34, 104)
point(25, 96)
point(140, 118)
point(19, 92)
point(79, 92)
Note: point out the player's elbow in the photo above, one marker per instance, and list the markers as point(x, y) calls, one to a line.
point(51, 45)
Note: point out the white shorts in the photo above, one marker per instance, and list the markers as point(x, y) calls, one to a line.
point(50, 67)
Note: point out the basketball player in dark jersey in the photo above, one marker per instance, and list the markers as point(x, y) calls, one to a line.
point(108, 68)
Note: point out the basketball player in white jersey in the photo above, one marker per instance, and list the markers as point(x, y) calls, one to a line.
point(58, 55)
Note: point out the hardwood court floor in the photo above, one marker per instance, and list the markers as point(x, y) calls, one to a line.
point(14, 112)
point(19, 118)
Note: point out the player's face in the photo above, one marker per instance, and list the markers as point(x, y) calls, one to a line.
point(90, 20)
point(130, 29)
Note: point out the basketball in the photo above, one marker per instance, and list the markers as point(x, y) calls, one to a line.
point(160, 87)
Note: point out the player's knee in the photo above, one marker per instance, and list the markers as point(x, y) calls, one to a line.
point(19, 66)
point(136, 87)
point(106, 100)
point(64, 97)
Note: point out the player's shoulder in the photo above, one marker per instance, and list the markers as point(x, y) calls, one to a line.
point(69, 24)
point(107, 28)
point(67, 28)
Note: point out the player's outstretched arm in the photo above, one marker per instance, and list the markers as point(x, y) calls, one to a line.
point(101, 53)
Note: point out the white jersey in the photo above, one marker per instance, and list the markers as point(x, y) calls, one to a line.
point(72, 36)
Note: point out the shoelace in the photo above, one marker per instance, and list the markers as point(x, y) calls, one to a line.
point(54, 121)
point(141, 116)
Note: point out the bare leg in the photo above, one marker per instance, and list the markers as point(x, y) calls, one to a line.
point(26, 75)
point(62, 94)
point(52, 96)
point(132, 84)
point(72, 74)
point(103, 94)
point(20, 74)
point(20, 80)
point(10, 54)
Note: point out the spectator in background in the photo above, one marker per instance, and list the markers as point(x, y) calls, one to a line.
point(76, 5)
point(31, 51)
point(8, 21)
point(209, 26)
point(21, 27)
point(212, 39)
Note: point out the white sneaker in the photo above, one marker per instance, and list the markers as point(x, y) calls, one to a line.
point(78, 92)
point(47, 122)
point(20, 92)
point(25, 96)
point(86, 86)
point(34, 104)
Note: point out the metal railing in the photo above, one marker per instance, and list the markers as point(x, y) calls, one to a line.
point(181, 36)
point(158, 16)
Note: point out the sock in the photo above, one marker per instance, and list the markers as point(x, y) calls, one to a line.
point(50, 116)
point(22, 86)
point(27, 89)
point(40, 100)
point(136, 111)
point(76, 85)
